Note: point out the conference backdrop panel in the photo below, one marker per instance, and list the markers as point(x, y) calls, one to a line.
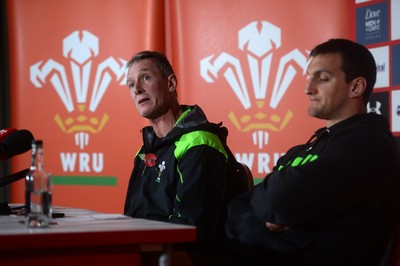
point(244, 62)
point(68, 87)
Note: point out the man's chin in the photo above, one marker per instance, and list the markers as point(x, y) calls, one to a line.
point(313, 113)
point(148, 115)
point(144, 112)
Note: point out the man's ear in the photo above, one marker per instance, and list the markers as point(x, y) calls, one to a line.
point(358, 86)
point(172, 83)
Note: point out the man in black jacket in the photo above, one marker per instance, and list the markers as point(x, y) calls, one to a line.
point(333, 200)
point(184, 172)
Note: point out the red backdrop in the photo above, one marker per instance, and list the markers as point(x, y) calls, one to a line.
point(67, 80)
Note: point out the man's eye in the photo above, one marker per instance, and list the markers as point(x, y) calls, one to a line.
point(146, 77)
point(131, 85)
point(323, 79)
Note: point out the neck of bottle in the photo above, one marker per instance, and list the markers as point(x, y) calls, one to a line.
point(37, 158)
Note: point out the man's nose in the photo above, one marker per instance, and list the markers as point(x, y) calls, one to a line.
point(138, 89)
point(309, 88)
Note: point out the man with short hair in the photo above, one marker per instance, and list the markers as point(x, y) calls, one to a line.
point(184, 172)
point(333, 200)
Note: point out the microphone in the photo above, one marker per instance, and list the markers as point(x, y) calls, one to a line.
point(5, 132)
point(14, 142)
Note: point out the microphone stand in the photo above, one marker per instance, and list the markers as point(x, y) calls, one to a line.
point(5, 209)
point(14, 177)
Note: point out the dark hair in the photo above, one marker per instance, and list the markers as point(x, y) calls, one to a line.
point(158, 58)
point(357, 61)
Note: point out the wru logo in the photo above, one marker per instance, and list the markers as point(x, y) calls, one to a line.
point(259, 40)
point(80, 48)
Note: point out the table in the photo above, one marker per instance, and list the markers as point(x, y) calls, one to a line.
point(85, 237)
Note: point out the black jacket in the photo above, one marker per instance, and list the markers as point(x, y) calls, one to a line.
point(338, 193)
point(193, 178)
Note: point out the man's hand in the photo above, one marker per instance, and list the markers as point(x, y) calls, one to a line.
point(276, 227)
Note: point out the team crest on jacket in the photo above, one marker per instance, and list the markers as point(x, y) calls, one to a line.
point(161, 168)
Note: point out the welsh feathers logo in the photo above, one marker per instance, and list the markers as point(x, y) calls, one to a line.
point(83, 120)
point(260, 42)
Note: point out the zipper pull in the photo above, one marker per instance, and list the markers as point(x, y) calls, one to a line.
point(144, 169)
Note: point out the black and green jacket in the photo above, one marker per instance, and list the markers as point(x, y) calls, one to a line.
point(338, 194)
point(190, 176)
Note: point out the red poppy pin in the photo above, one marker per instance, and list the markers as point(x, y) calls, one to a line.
point(149, 159)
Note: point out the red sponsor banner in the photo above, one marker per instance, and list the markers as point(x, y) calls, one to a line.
point(68, 87)
point(244, 63)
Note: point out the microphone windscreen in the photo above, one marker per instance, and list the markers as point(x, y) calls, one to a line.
point(5, 132)
point(18, 142)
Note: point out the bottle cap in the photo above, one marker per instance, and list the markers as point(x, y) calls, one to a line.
point(37, 142)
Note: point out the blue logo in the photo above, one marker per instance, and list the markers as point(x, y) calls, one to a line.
point(372, 23)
